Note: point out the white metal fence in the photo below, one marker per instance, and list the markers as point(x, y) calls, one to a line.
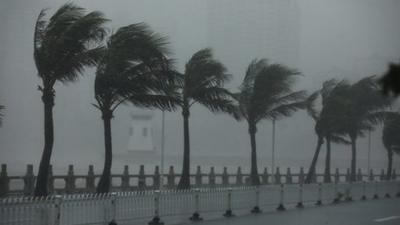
point(175, 206)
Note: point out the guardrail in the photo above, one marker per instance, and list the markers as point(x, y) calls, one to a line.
point(84, 183)
point(175, 206)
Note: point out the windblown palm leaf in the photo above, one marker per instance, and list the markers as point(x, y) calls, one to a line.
point(63, 46)
point(266, 93)
point(203, 83)
point(133, 69)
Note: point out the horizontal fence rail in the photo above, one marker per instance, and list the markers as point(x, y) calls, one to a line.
point(73, 183)
point(175, 206)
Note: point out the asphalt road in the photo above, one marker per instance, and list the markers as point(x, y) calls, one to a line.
point(371, 212)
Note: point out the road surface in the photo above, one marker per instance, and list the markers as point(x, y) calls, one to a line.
point(371, 212)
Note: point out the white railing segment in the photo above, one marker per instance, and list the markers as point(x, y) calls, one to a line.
point(178, 205)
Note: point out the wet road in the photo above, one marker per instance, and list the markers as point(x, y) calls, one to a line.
point(371, 212)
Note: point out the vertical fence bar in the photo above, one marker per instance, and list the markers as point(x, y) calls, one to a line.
point(281, 207)
point(337, 197)
point(376, 196)
point(57, 206)
point(113, 209)
point(349, 187)
point(364, 187)
point(228, 212)
point(319, 200)
point(300, 203)
point(256, 208)
point(156, 219)
point(196, 214)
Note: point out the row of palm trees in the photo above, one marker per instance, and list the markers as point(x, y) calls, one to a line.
point(133, 67)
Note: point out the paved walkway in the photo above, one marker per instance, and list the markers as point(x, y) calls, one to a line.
point(371, 212)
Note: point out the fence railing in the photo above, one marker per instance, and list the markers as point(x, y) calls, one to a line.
point(73, 183)
point(176, 206)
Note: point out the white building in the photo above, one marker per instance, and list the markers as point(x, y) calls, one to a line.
point(141, 133)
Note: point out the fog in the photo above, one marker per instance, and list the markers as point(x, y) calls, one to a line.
point(321, 38)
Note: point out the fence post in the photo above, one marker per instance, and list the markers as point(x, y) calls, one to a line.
point(70, 180)
point(301, 176)
point(382, 177)
point(225, 177)
point(265, 176)
point(319, 200)
point(300, 203)
point(57, 205)
point(156, 219)
point(371, 175)
point(394, 176)
point(141, 178)
point(337, 175)
point(125, 178)
point(228, 212)
point(90, 186)
point(156, 178)
point(198, 177)
point(29, 180)
point(211, 177)
point(376, 196)
point(113, 196)
point(171, 177)
point(256, 208)
point(281, 207)
point(196, 215)
point(277, 176)
point(288, 176)
point(239, 177)
point(4, 181)
point(364, 196)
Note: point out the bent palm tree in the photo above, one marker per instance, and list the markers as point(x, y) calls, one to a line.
point(391, 139)
point(64, 46)
point(266, 93)
point(133, 69)
point(203, 83)
point(362, 110)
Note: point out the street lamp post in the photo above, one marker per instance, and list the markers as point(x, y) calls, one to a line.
point(273, 150)
point(162, 149)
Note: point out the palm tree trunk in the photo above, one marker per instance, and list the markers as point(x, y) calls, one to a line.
point(311, 170)
point(42, 178)
point(327, 173)
point(254, 177)
point(105, 180)
point(353, 159)
point(390, 163)
point(184, 182)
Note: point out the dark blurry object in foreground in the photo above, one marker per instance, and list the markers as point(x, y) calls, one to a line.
point(391, 80)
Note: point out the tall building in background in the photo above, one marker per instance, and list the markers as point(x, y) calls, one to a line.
point(240, 31)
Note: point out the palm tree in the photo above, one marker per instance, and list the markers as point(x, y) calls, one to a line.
point(63, 46)
point(327, 125)
point(391, 79)
point(266, 93)
point(1, 114)
point(203, 82)
point(363, 110)
point(133, 69)
point(391, 139)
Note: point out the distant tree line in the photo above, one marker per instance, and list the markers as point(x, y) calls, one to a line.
point(133, 67)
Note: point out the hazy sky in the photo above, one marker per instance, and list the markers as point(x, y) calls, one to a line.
point(342, 38)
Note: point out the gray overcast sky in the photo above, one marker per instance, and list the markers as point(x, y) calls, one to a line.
point(342, 38)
